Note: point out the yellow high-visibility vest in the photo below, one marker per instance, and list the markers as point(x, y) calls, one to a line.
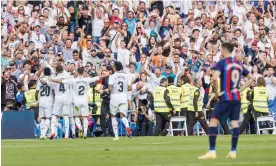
point(159, 101)
point(260, 102)
point(174, 93)
point(185, 95)
point(30, 98)
point(191, 100)
point(244, 102)
point(98, 100)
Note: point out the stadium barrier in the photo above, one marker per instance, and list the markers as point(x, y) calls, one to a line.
point(17, 125)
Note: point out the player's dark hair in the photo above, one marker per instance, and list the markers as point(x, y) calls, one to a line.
point(228, 46)
point(118, 66)
point(80, 70)
point(47, 71)
point(163, 80)
point(170, 80)
point(59, 69)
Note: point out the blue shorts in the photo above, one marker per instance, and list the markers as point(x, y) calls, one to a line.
point(227, 109)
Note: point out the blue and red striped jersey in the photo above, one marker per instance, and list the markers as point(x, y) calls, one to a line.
point(231, 71)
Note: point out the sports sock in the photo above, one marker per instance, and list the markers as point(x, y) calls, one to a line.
point(85, 126)
point(54, 124)
point(42, 126)
point(66, 125)
point(115, 126)
point(73, 127)
point(213, 132)
point(46, 126)
point(125, 121)
point(78, 123)
point(235, 137)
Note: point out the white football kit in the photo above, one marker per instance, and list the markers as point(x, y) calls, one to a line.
point(119, 93)
point(80, 94)
point(62, 96)
point(46, 98)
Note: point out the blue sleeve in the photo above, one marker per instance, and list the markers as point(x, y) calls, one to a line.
point(219, 66)
point(145, 50)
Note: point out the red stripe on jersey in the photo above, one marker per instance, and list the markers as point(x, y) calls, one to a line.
point(237, 93)
point(228, 80)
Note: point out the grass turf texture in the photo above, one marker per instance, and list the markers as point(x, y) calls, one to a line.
point(169, 151)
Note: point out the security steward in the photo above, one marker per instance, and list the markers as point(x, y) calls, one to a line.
point(174, 93)
point(212, 102)
point(162, 108)
point(259, 99)
point(246, 109)
point(94, 106)
point(32, 98)
point(185, 95)
point(195, 108)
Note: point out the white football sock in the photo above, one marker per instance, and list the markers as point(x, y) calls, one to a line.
point(115, 126)
point(54, 124)
point(46, 125)
point(125, 121)
point(42, 126)
point(78, 123)
point(73, 127)
point(85, 126)
point(66, 125)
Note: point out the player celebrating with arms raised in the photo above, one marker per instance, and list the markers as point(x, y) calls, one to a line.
point(230, 71)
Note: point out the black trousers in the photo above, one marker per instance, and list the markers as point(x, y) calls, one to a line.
point(146, 128)
point(248, 117)
point(104, 110)
point(162, 123)
point(223, 124)
point(192, 120)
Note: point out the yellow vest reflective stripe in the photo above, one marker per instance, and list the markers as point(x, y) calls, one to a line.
point(260, 102)
point(174, 93)
point(244, 102)
point(199, 101)
point(159, 101)
point(185, 95)
point(98, 100)
point(30, 98)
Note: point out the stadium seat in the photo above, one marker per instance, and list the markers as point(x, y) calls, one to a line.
point(265, 119)
point(178, 119)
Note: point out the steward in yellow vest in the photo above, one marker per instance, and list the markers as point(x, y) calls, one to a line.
point(31, 96)
point(174, 93)
point(184, 94)
point(98, 101)
point(195, 108)
point(260, 98)
point(212, 101)
point(162, 107)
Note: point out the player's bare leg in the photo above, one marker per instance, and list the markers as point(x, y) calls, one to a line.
point(125, 121)
point(235, 136)
point(114, 123)
point(213, 132)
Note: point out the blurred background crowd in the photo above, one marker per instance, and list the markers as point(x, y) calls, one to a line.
point(153, 39)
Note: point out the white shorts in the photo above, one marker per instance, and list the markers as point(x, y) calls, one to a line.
point(81, 110)
point(61, 108)
point(45, 112)
point(122, 108)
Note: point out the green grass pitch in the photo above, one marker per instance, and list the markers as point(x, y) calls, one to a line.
point(144, 151)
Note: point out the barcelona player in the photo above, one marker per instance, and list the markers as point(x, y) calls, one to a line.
point(230, 71)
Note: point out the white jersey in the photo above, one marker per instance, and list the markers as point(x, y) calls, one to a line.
point(120, 82)
point(46, 98)
point(80, 88)
point(62, 90)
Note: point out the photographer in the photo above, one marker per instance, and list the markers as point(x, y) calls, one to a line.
point(143, 118)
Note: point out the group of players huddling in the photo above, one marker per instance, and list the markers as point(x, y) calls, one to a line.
point(71, 99)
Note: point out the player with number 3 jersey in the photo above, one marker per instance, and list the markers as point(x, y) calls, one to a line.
point(230, 71)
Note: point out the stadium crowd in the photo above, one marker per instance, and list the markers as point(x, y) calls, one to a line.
point(176, 40)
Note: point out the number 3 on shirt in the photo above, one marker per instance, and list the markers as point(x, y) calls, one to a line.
point(235, 76)
point(121, 86)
